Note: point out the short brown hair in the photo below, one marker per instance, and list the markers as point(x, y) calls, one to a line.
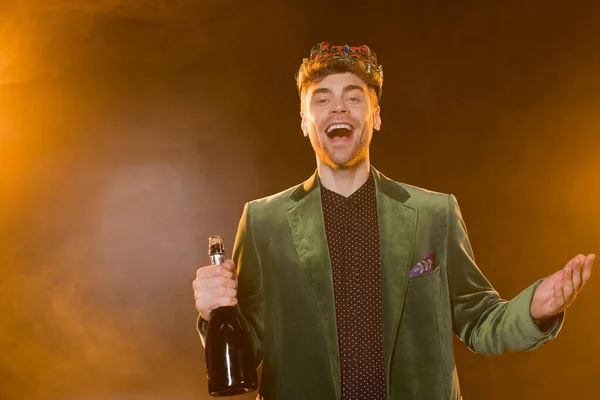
point(317, 70)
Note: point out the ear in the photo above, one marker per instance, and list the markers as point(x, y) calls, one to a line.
point(303, 124)
point(377, 119)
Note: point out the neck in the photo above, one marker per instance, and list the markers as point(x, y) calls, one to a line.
point(344, 181)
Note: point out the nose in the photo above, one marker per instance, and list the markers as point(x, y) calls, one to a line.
point(339, 107)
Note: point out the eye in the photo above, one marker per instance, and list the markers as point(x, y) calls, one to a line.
point(321, 101)
point(353, 99)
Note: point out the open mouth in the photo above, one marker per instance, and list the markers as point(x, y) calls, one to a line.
point(339, 130)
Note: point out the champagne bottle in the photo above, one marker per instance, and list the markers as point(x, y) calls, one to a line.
point(229, 357)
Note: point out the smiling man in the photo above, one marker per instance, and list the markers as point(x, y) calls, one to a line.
point(352, 284)
point(339, 114)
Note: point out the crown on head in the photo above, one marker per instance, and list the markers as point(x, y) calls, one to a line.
point(360, 55)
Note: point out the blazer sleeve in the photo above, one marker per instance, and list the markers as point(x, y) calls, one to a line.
point(482, 320)
point(249, 292)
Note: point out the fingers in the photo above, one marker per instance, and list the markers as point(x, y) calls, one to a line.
point(575, 274)
point(206, 304)
point(214, 282)
point(229, 265)
point(215, 286)
point(568, 290)
point(587, 268)
point(559, 300)
point(582, 270)
point(211, 270)
point(576, 271)
point(207, 300)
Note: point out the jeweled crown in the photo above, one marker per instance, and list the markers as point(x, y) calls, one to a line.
point(360, 55)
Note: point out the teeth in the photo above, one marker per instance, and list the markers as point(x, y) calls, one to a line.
point(339, 126)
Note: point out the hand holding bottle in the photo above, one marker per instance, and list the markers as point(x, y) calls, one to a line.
point(215, 286)
point(230, 364)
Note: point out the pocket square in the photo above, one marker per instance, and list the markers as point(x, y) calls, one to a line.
point(426, 264)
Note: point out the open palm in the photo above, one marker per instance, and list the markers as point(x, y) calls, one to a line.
point(555, 293)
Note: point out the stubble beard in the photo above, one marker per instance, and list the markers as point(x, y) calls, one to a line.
point(346, 158)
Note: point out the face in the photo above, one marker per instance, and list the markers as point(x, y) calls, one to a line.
point(338, 117)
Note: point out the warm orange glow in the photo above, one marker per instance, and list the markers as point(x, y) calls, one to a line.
point(131, 130)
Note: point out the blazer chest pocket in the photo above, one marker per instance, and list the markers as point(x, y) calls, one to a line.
point(426, 278)
point(423, 291)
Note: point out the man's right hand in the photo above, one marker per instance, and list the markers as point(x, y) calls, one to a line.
point(215, 286)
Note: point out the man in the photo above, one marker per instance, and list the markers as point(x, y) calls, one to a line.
point(351, 283)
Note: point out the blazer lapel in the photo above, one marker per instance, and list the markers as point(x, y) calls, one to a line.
point(305, 218)
point(397, 229)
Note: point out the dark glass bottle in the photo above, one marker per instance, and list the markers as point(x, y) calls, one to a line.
point(229, 358)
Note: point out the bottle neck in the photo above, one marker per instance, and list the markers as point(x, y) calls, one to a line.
point(216, 259)
point(226, 312)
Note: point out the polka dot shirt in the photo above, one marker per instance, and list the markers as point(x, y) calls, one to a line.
point(352, 230)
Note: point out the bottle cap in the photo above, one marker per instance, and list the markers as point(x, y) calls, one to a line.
point(215, 245)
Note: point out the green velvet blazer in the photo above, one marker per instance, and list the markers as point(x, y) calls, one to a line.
point(286, 295)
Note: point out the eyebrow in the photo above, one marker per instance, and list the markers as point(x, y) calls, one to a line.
point(353, 87)
point(348, 88)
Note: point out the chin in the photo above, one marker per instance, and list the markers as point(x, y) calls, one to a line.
point(345, 163)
